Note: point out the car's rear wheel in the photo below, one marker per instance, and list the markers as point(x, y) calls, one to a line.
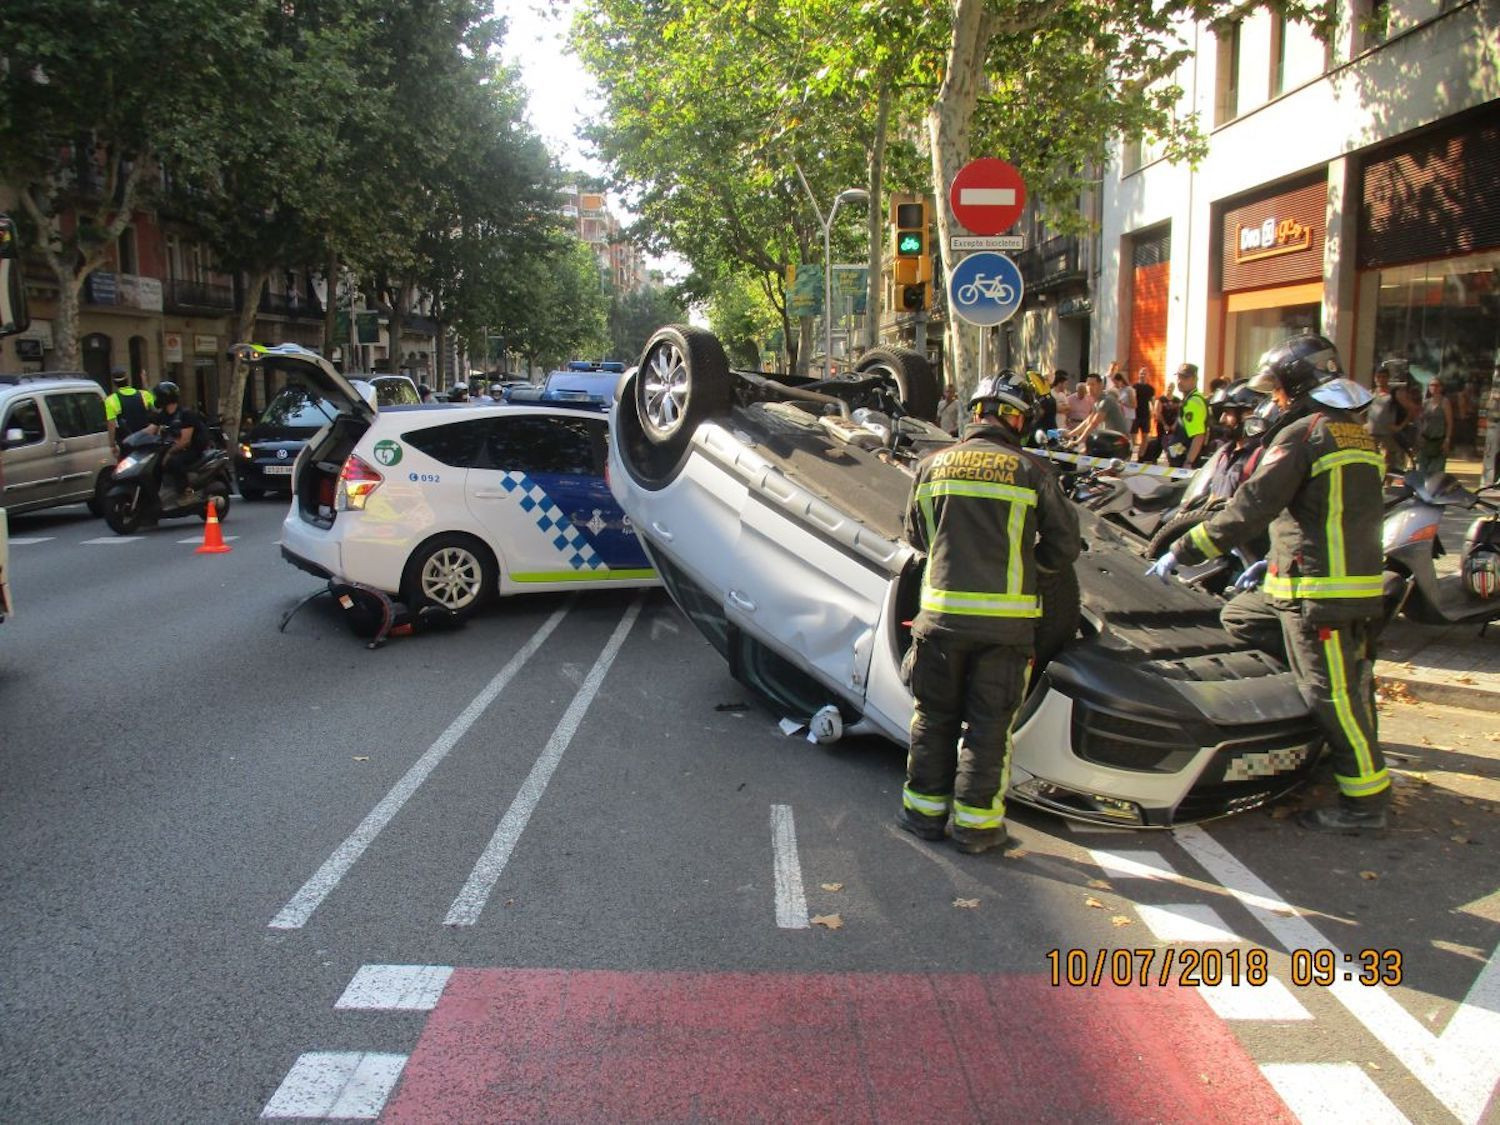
point(452, 572)
point(910, 373)
point(683, 380)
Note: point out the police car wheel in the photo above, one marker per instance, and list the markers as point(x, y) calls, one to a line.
point(910, 374)
point(452, 572)
point(683, 379)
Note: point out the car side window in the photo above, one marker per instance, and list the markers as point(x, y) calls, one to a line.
point(76, 414)
point(537, 443)
point(459, 444)
point(25, 416)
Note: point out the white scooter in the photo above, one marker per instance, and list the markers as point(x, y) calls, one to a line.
point(1411, 586)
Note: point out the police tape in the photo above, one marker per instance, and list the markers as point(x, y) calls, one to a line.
point(1119, 465)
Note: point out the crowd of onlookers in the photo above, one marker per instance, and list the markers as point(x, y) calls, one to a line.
point(1420, 428)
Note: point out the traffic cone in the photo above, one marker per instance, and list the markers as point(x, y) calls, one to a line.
point(213, 538)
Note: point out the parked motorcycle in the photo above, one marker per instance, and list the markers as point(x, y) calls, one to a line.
point(1411, 586)
point(137, 493)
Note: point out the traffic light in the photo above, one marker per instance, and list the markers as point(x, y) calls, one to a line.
point(914, 297)
point(911, 250)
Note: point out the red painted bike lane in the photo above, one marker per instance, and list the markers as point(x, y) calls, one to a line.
point(604, 1046)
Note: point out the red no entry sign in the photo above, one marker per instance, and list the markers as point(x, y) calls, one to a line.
point(987, 196)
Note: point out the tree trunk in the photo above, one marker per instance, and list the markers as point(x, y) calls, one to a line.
point(877, 226)
point(396, 323)
point(65, 329)
point(232, 396)
point(804, 345)
point(331, 303)
point(948, 131)
point(440, 359)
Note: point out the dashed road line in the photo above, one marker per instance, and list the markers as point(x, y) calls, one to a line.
point(199, 539)
point(1135, 864)
point(336, 1084)
point(300, 908)
point(395, 988)
point(1331, 1092)
point(1187, 922)
point(29, 540)
point(791, 900)
point(110, 540)
point(475, 893)
point(1271, 1001)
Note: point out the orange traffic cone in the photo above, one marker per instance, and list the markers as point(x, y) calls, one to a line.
point(213, 538)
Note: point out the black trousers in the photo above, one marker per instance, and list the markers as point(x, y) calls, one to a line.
point(1335, 670)
point(956, 681)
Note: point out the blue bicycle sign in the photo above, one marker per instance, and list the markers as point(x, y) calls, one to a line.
point(985, 289)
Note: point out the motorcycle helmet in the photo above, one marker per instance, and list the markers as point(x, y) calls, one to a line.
point(1297, 365)
point(165, 392)
point(1342, 394)
point(1004, 393)
point(1262, 418)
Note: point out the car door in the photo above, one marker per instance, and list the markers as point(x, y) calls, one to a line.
point(78, 421)
point(539, 491)
point(32, 464)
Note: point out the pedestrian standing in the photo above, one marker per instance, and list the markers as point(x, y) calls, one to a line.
point(1140, 427)
point(947, 418)
point(1318, 489)
point(1188, 436)
point(1383, 420)
point(1106, 415)
point(1080, 403)
point(1490, 470)
point(1434, 430)
point(989, 518)
point(1124, 392)
point(126, 409)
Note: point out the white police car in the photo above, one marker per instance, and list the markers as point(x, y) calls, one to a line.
point(449, 505)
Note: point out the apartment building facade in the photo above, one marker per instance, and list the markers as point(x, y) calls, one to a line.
point(1348, 189)
point(620, 261)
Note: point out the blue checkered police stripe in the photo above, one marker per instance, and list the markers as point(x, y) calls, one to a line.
point(570, 543)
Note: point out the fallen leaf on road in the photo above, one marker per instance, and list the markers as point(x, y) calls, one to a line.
point(1368, 875)
point(359, 758)
point(832, 886)
point(1018, 853)
point(1120, 920)
point(1459, 839)
point(1465, 680)
point(966, 903)
point(1453, 820)
point(1093, 902)
point(1373, 1066)
point(831, 921)
point(1100, 885)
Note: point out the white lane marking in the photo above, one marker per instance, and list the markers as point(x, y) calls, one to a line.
point(199, 539)
point(1460, 1068)
point(396, 988)
point(336, 1084)
point(300, 908)
point(475, 893)
point(109, 540)
point(1331, 1092)
point(1186, 922)
point(1136, 864)
point(30, 539)
point(791, 900)
point(986, 197)
point(1245, 1001)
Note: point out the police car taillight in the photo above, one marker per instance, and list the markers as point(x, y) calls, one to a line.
point(357, 479)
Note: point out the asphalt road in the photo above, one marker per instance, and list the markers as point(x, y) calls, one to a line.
point(209, 829)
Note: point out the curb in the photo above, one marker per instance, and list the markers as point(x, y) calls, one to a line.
point(1474, 697)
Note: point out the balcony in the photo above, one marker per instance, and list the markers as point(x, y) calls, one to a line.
point(1053, 264)
point(192, 297)
point(289, 304)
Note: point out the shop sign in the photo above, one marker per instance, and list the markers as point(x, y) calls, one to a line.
point(1270, 238)
point(41, 331)
point(140, 292)
point(205, 345)
point(171, 343)
point(1075, 306)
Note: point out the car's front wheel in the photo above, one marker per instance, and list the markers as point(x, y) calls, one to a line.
point(910, 374)
point(683, 379)
point(452, 572)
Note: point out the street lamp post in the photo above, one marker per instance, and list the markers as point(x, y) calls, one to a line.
point(848, 195)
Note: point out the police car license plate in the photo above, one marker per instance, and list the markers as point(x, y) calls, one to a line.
point(278, 470)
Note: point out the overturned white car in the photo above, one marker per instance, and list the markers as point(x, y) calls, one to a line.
point(772, 510)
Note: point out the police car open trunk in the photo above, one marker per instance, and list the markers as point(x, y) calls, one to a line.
point(329, 479)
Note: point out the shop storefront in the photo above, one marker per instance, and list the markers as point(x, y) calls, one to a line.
point(1429, 259)
point(1271, 274)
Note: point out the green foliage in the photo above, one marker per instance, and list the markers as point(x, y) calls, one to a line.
point(561, 310)
point(742, 316)
point(634, 316)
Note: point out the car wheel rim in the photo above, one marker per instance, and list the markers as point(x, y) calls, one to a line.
point(666, 387)
point(451, 578)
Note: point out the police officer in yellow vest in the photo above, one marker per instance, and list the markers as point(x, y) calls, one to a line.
point(1319, 489)
point(988, 516)
point(127, 409)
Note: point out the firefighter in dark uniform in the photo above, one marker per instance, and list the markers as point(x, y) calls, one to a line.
point(1319, 489)
point(988, 517)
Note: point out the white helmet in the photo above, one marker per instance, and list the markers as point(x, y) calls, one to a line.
point(1342, 394)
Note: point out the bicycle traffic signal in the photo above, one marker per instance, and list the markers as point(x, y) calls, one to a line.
point(910, 249)
point(914, 297)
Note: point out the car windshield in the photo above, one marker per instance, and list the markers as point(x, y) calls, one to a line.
point(296, 405)
point(397, 391)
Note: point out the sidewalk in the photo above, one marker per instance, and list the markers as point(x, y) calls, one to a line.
point(1449, 664)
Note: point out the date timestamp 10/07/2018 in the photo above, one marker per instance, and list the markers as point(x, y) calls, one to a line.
point(1196, 968)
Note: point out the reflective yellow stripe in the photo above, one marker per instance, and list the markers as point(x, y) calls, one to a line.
point(922, 803)
point(600, 575)
point(1283, 586)
point(1369, 780)
point(967, 816)
point(1013, 528)
point(985, 489)
point(1198, 537)
point(980, 604)
point(1333, 528)
point(1331, 461)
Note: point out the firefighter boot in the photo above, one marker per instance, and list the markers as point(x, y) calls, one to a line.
point(1351, 816)
point(925, 827)
point(977, 841)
